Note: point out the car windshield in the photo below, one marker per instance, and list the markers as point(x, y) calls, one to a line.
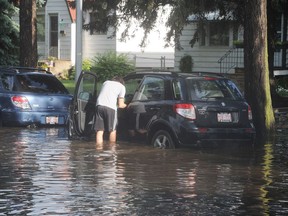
point(213, 88)
point(39, 83)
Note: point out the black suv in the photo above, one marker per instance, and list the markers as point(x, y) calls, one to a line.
point(32, 97)
point(170, 109)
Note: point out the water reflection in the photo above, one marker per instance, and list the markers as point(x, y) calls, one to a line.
point(44, 173)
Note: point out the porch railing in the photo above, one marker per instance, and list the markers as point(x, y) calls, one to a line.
point(234, 58)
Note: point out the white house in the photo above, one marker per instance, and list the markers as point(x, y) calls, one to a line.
point(214, 50)
point(57, 38)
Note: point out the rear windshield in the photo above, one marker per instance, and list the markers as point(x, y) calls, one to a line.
point(36, 83)
point(213, 88)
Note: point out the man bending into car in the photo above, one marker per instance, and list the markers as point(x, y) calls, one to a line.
point(110, 98)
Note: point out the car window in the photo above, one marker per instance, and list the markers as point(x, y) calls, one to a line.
point(203, 89)
point(7, 81)
point(88, 88)
point(38, 83)
point(131, 86)
point(152, 88)
point(177, 93)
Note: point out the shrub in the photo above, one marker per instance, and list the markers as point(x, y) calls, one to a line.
point(282, 86)
point(111, 64)
point(86, 66)
point(186, 63)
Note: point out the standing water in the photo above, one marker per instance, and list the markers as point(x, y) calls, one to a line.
point(44, 173)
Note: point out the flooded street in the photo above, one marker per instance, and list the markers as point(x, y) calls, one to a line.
point(44, 173)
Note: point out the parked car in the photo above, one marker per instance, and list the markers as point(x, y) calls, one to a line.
point(32, 97)
point(170, 109)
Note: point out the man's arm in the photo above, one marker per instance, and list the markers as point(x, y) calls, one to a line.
point(121, 103)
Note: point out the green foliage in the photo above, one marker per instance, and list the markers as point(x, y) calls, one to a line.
point(147, 12)
point(282, 86)
point(71, 73)
point(111, 64)
point(9, 35)
point(179, 13)
point(86, 66)
point(186, 64)
point(103, 13)
point(41, 3)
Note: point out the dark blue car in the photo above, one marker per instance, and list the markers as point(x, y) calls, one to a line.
point(169, 109)
point(32, 97)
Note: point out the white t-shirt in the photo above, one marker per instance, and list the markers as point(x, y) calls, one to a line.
point(109, 94)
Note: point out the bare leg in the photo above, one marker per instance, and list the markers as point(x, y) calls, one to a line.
point(112, 136)
point(99, 137)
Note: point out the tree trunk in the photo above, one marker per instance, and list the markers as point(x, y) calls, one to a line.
point(257, 88)
point(28, 33)
point(272, 37)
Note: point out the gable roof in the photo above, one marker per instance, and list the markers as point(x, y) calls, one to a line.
point(72, 11)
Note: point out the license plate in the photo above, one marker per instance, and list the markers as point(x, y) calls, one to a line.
point(224, 117)
point(51, 120)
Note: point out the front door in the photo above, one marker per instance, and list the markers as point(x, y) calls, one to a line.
point(53, 39)
point(146, 102)
point(84, 103)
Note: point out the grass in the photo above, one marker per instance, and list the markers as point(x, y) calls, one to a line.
point(70, 85)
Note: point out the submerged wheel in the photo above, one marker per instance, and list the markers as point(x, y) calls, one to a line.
point(163, 140)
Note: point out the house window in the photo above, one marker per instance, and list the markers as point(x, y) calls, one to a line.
point(279, 27)
point(219, 34)
point(95, 18)
point(41, 28)
point(215, 34)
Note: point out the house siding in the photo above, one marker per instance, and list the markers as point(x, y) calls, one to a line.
point(96, 43)
point(205, 58)
point(91, 44)
point(56, 7)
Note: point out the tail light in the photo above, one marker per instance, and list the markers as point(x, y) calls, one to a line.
point(21, 102)
point(185, 110)
point(250, 113)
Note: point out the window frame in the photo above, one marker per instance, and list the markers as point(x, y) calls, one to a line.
point(205, 34)
point(146, 92)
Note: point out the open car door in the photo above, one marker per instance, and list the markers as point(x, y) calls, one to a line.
point(82, 110)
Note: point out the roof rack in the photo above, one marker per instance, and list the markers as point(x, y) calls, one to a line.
point(210, 74)
point(23, 69)
point(177, 73)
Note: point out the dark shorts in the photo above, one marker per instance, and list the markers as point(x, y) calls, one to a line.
point(106, 119)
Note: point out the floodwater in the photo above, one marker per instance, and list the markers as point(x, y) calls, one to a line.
point(44, 173)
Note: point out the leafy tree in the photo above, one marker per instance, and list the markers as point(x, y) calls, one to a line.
point(9, 31)
point(257, 81)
